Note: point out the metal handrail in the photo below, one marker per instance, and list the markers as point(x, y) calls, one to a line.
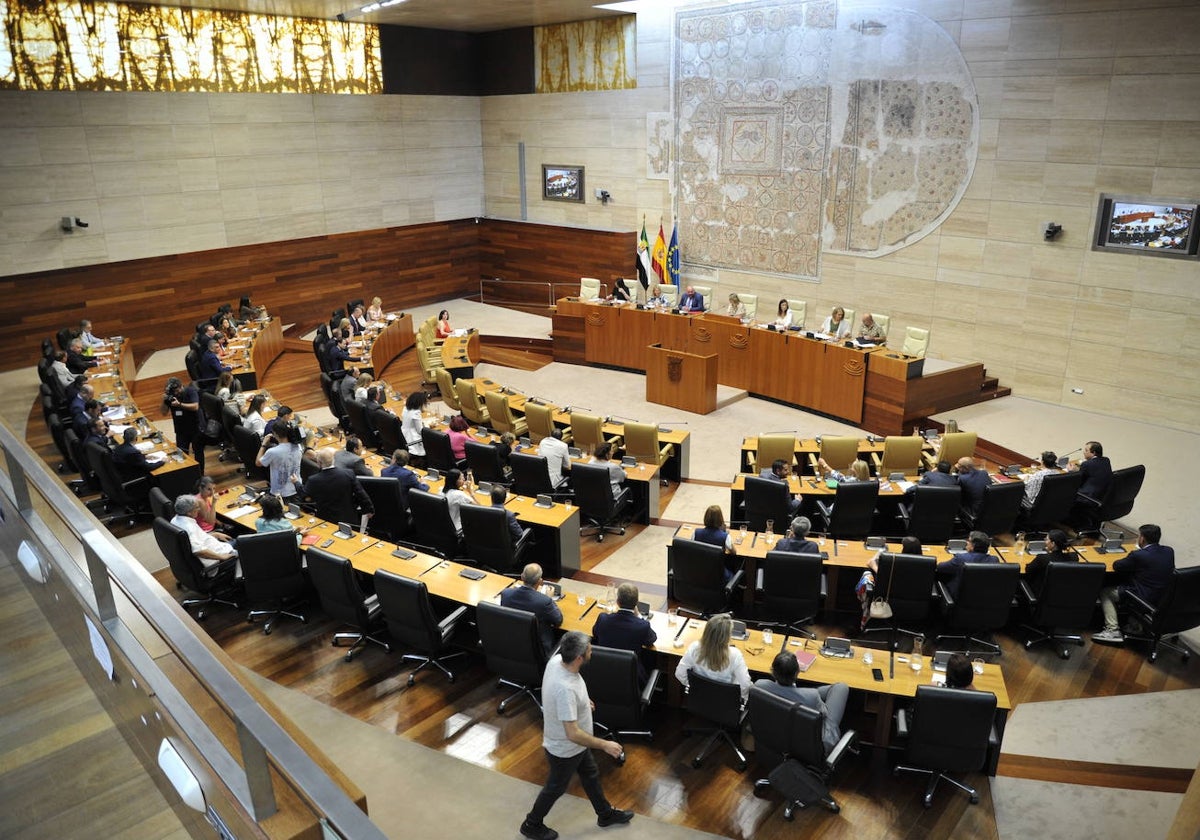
point(548, 286)
point(108, 561)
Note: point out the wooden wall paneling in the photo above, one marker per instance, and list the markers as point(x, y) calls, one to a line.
point(552, 254)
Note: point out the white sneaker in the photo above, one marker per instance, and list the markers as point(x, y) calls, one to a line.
point(1109, 637)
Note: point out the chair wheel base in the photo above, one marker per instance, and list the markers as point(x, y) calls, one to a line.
point(412, 680)
point(975, 799)
point(696, 763)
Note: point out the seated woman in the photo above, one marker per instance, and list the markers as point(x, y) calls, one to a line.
point(253, 420)
point(621, 292)
point(443, 324)
point(1057, 543)
point(411, 423)
point(736, 308)
point(657, 298)
point(836, 324)
point(783, 315)
point(715, 533)
point(714, 657)
point(857, 471)
point(272, 518)
point(616, 475)
point(457, 495)
point(458, 436)
point(206, 494)
point(361, 385)
point(228, 386)
point(248, 311)
point(375, 310)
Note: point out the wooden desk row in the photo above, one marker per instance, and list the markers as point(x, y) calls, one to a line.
point(255, 347)
point(380, 345)
point(811, 446)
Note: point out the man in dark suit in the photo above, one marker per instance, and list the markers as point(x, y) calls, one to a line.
point(1097, 472)
point(626, 629)
point(337, 492)
point(940, 477)
point(797, 538)
point(130, 462)
point(778, 471)
point(530, 598)
point(211, 366)
point(978, 543)
point(77, 362)
point(399, 470)
point(692, 301)
point(499, 497)
point(351, 458)
point(81, 422)
point(98, 433)
point(338, 353)
point(1147, 571)
point(973, 482)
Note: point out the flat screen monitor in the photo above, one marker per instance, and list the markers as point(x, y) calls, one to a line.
point(1146, 225)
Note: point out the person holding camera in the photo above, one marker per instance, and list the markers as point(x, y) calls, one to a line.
point(280, 453)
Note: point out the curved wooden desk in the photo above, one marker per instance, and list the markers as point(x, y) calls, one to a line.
point(381, 347)
point(255, 347)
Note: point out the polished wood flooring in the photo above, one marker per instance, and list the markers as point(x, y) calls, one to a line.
point(461, 720)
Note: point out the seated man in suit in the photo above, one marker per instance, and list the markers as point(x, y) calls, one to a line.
point(691, 301)
point(499, 497)
point(338, 353)
point(1033, 485)
point(130, 461)
point(337, 494)
point(351, 458)
point(211, 366)
point(529, 597)
point(978, 544)
point(82, 422)
point(77, 362)
point(626, 629)
point(939, 477)
point(1147, 572)
point(78, 403)
point(797, 538)
point(398, 469)
point(98, 433)
point(779, 471)
point(1097, 472)
point(973, 482)
point(830, 699)
point(86, 336)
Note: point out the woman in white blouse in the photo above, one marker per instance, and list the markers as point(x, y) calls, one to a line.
point(836, 324)
point(254, 420)
point(736, 309)
point(361, 385)
point(457, 496)
point(411, 422)
point(783, 315)
point(714, 657)
point(375, 310)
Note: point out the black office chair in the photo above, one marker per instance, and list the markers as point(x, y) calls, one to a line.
point(512, 646)
point(999, 510)
point(488, 541)
point(852, 512)
point(213, 584)
point(593, 495)
point(89, 482)
point(788, 732)
point(767, 499)
point(932, 513)
point(483, 459)
point(1117, 502)
point(129, 497)
point(906, 582)
point(356, 410)
point(390, 521)
point(984, 600)
point(793, 589)
point(273, 575)
point(387, 430)
point(230, 420)
point(696, 576)
point(212, 407)
point(433, 530)
point(719, 703)
point(621, 701)
point(1178, 610)
point(343, 600)
point(161, 504)
point(439, 454)
point(318, 347)
point(1054, 501)
point(949, 730)
point(1067, 600)
point(247, 444)
point(308, 468)
point(531, 477)
point(412, 622)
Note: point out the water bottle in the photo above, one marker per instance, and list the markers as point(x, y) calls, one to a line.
point(1020, 544)
point(768, 636)
point(610, 598)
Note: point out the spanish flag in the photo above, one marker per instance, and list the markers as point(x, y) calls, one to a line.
point(658, 256)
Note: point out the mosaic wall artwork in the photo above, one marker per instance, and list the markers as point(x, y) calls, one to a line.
point(598, 54)
point(659, 135)
point(126, 46)
point(802, 129)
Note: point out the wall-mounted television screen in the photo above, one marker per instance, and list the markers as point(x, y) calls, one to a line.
point(1142, 225)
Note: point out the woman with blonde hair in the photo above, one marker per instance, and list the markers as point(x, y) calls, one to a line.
point(857, 471)
point(714, 657)
point(736, 309)
point(361, 385)
point(375, 310)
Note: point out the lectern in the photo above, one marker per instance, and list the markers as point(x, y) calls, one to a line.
point(681, 380)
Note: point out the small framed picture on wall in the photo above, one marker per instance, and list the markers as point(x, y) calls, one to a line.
point(562, 183)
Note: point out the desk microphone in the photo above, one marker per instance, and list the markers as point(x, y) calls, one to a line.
point(626, 419)
point(1064, 460)
point(673, 423)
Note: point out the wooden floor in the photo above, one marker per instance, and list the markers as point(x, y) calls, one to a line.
point(461, 719)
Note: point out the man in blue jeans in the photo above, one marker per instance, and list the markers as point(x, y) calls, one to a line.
point(568, 740)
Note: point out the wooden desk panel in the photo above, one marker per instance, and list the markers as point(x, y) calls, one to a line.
point(730, 343)
point(390, 342)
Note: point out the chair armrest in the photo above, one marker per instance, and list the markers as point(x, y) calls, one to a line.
point(904, 510)
point(1026, 594)
point(944, 594)
point(824, 586)
point(1087, 500)
point(902, 723)
point(450, 622)
point(751, 459)
point(734, 581)
point(812, 462)
point(526, 539)
point(826, 508)
point(1138, 603)
point(877, 461)
point(966, 516)
point(845, 744)
point(651, 686)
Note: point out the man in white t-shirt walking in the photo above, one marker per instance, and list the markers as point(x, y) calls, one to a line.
point(568, 740)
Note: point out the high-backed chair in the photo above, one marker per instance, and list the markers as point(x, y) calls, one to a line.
point(906, 582)
point(982, 604)
point(999, 510)
point(916, 341)
point(211, 408)
point(838, 451)
point(901, 453)
point(247, 443)
point(884, 322)
point(432, 527)
point(344, 601)
point(706, 295)
point(588, 431)
point(671, 293)
point(470, 404)
point(390, 521)
point(512, 647)
point(429, 356)
point(446, 389)
point(161, 503)
point(852, 512)
point(273, 576)
point(593, 494)
point(851, 319)
point(589, 288)
point(411, 622)
point(1066, 601)
point(772, 448)
point(230, 420)
point(130, 497)
point(387, 429)
point(531, 476)
point(356, 410)
point(439, 453)
point(767, 500)
point(1118, 501)
point(799, 310)
point(483, 459)
point(501, 415)
point(954, 445)
point(540, 422)
point(621, 702)
point(641, 442)
point(793, 588)
point(719, 703)
point(488, 540)
point(790, 731)
point(932, 513)
point(1177, 611)
point(696, 576)
point(1054, 501)
point(949, 731)
point(214, 584)
point(751, 303)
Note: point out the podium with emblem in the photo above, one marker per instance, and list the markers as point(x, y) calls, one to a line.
point(681, 380)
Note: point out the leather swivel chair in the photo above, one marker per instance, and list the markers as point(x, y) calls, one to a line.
point(696, 576)
point(982, 604)
point(344, 601)
point(1066, 600)
point(1177, 611)
point(931, 515)
point(488, 541)
point(767, 500)
point(501, 415)
point(949, 730)
point(213, 584)
point(433, 528)
point(793, 589)
point(273, 576)
point(512, 647)
point(852, 513)
point(593, 495)
point(412, 622)
point(621, 701)
point(720, 704)
point(390, 521)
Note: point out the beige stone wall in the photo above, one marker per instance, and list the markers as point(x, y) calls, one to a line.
point(1075, 99)
point(166, 173)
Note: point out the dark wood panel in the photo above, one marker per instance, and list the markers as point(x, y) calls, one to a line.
point(550, 254)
